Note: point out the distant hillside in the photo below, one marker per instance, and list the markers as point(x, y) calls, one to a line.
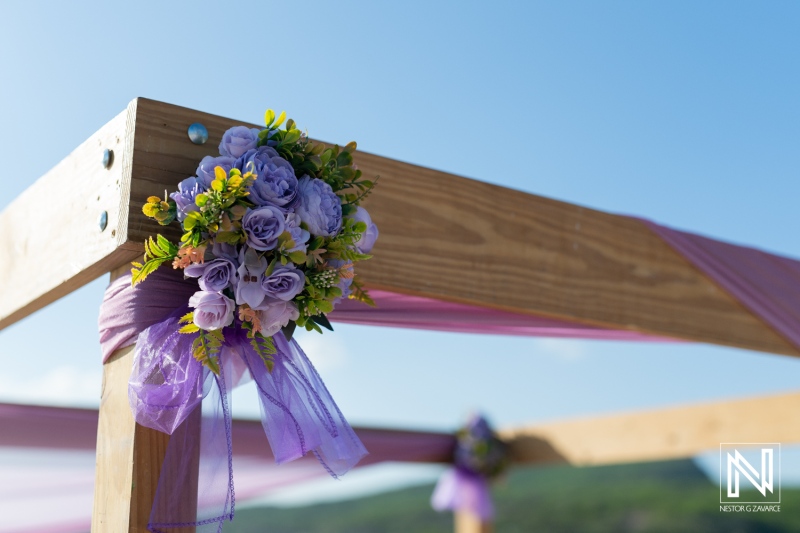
point(664, 497)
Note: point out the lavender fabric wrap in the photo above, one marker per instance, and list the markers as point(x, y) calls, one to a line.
point(459, 489)
point(478, 457)
point(172, 392)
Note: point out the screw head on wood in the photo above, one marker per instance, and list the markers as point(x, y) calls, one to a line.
point(198, 133)
point(102, 220)
point(108, 158)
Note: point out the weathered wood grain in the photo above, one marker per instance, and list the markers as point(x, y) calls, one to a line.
point(50, 240)
point(442, 236)
point(457, 239)
point(129, 456)
point(659, 434)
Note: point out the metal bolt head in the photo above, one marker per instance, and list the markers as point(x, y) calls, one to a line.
point(108, 158)
point(198, 133)
point(102, 220)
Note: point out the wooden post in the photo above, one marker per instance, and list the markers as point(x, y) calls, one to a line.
point(129, 456)
point(466, 522)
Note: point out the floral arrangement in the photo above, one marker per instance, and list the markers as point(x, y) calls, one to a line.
point(272, 228)
point(479, 456)
point(479, 450)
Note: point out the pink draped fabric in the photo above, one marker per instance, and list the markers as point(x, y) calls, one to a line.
point(416, 312)
point(64, 485)
point(32, 426)
point(120, 324)
point(767, 284)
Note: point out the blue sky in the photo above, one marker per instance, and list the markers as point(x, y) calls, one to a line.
point(684, 113)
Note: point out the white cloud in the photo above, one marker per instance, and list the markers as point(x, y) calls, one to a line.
point(62, 385)
point(570, 350)
point(325, 351)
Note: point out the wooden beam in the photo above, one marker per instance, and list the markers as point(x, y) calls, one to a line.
point(658, 434)
point(65, 206)
point(464, 240)
point(129, 456)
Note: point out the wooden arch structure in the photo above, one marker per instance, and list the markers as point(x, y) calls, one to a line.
point(574, 263)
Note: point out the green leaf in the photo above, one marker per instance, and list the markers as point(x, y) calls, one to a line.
point(325, 306)
point(288, 330)
point(333, 292)
point(322, 320)
point(280, 120)
point(297, 257)
point(189, 328)
point(169, 249)
point(231, 237)
point(271, 267)
point(291, 137)
point(265, 348)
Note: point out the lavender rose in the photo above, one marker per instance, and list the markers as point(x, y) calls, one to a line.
point(263, 225)
point(319, 207)
point(226, 250)
point(276, 314)
point(212, 310)
point(284, 283)
point(237, 140)
point(368, 238)
point(299, 235)
point(275, 183)
point(250, 273)
point(184, 197)
point(205, 171)
point(215, 276)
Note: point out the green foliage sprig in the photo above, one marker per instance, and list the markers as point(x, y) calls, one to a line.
point(206, 346)
point(156, 253)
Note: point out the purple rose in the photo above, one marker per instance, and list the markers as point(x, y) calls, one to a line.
point(205, 171)
point(284, 283)
point(299, 235)
point(368, 238)
point(215, 276)
point(319, 207)
point(276, 314)
point(251, 273)
point(275, 183)
point(226, 250)
point(237, 140)
point(184, 197)
point(212, 310)
point(263, 226)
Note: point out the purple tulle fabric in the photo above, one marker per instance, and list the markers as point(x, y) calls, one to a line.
point(459, 489)
point(172, 392)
